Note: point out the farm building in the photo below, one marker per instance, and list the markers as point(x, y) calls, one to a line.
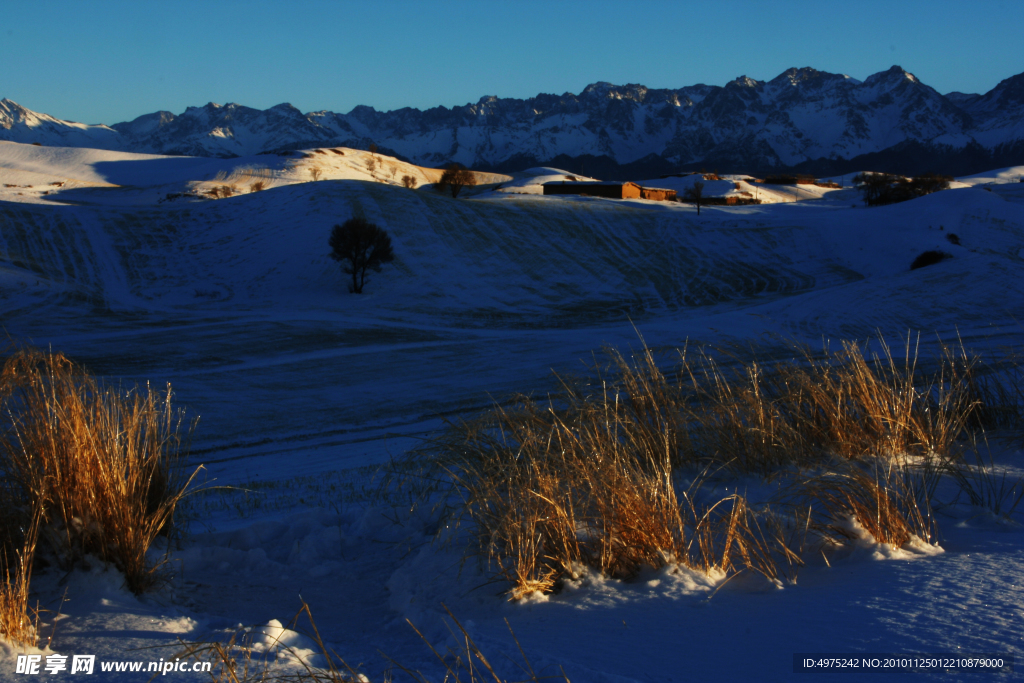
point(611, 190)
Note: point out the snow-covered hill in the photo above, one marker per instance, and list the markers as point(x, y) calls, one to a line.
point(801, 116)
point(304, 390)
point(30, 173)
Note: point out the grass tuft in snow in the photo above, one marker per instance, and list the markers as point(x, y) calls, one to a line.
point(891, 500)
point(102, 466)
point(17, 552)
point(849, 403)
point(588, 478)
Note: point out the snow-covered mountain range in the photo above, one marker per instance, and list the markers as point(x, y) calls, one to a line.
point(803, 119)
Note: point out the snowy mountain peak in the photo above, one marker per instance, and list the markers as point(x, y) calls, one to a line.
point(894, 74)
point(795, 76)
point(807, 76)
point(745, 82)
point(12, 111)
point(600, 88)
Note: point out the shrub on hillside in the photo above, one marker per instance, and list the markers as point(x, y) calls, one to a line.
point(221, 191)
point(409, 182)
point(929, 258)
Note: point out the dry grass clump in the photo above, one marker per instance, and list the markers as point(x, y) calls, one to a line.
point(17, 552)
point(842, 403)
point(101, 466)
point(587, 479)
point(552, 497)
point(221, 191)
point(589, 482)
point(890, 500)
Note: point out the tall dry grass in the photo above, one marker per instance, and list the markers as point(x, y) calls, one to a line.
point(588, 478)
point(20, 529)
point(890, 500)
point(848, 403)
point(102, 466)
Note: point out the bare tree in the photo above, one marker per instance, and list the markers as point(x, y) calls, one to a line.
point(454, 178)
point(695, 194)
point(315, 172)
point(371, 164)
point(362, 245)
point(409, 181)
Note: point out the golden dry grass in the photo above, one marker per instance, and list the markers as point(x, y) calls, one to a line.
point(17, 552)
point(101, 464)
point(588, 478)
point(844, 403)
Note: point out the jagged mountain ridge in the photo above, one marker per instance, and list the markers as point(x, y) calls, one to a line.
point(803, 116)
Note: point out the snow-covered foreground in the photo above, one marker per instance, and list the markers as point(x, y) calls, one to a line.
point(304, 390)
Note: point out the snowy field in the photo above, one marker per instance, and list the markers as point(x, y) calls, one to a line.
point(304, 391)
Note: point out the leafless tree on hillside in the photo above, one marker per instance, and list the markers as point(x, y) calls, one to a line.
point(409, 181)
point(315, 172)
point(454, 178)
point(695, 194)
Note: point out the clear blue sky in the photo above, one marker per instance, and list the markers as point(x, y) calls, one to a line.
point(105, 61)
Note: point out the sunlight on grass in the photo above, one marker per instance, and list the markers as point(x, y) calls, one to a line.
point(594, 477)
